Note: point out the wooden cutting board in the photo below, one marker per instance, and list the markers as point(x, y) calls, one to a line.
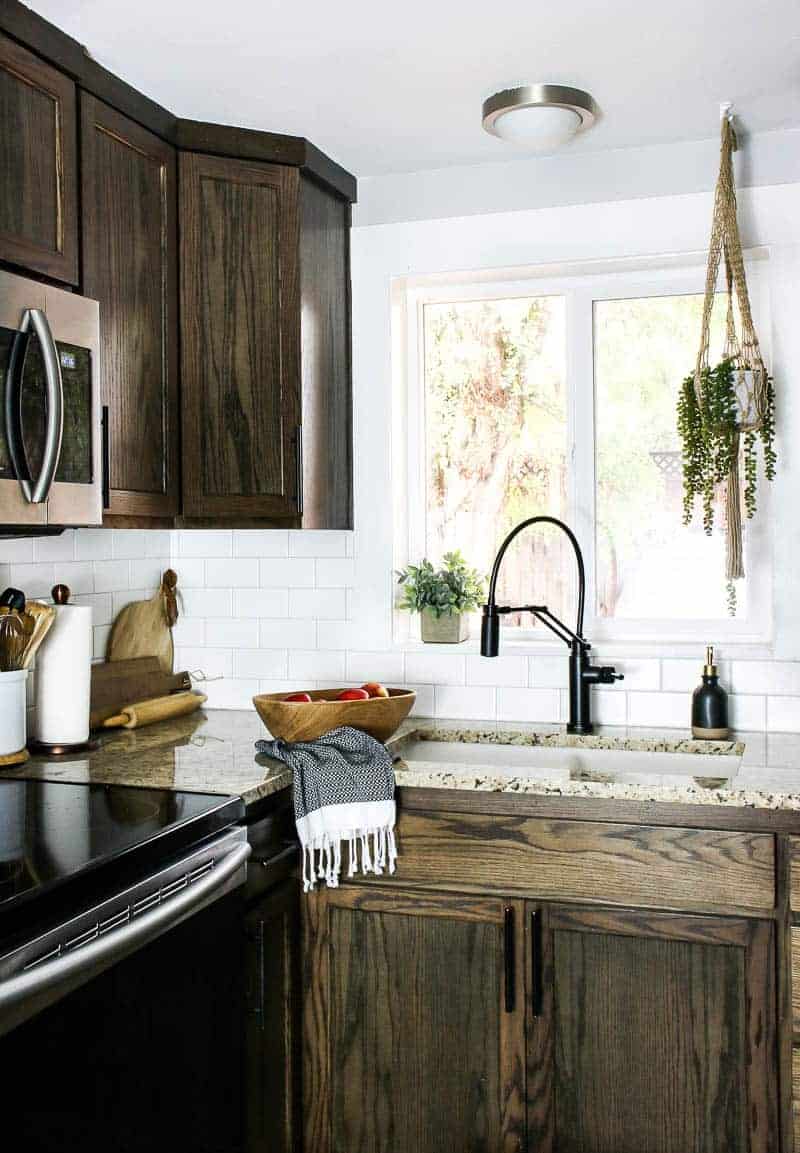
point(144, 628)
point(117, 683)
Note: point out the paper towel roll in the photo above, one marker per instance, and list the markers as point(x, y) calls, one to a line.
point(62, 680)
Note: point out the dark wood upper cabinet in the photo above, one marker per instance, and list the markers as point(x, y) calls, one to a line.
point(239, 338)
point(414, 1023)
point(129, 241)
point(650, 1031)
point(265, 339)
point(38, 165)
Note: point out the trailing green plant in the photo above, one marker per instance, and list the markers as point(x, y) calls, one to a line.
point(709, 430)
point(453, 588)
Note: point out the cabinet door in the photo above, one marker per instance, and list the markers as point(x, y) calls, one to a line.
point(38, 202)
point(239, 338)
point(130, 266)
point(650, 1031)
point(413, 1023)
point(272, 928)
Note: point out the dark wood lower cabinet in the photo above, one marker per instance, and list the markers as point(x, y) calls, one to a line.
point(650, 1032)
point(479, 1024)
point(414, 1023)
point(272, 1041)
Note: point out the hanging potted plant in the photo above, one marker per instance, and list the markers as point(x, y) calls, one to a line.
point(443, 597)
point(723, 411)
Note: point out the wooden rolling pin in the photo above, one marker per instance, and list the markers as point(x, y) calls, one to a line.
point(156, 709)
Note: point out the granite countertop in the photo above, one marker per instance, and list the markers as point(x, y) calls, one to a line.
point(213, 752)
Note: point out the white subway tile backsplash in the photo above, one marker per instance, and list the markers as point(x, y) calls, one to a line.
point(158, 542)
point(100, 637)
point(130, 544)
point(683, 676)
point(466, 703)
point(231, 573)
point(189, 631)
point(529, 705)
point(500, 670)
point(277, 572)
point(111, 575)
point(260, 603)
point(387, 668)
point(436, 668)
point(783, 716)
point(17, 551)
point(609, 707)
point(747, 712)
point(230, 693)
point(79, 576)
point(126, 597)
point(261, 542)
point(317, 665)
point(288, 634)
point(342, 634)
point(205, 542)
point(261, 663)
point(317, 543)
point(640, 675)
point(209, 603)
point(322, 604)
point(232, 632)
point(55, 548)
point(191, 573)
point(336, 573)
point(93, 544)
point(548, 672)
point(424, 704)
point(212, 662)
point(779, 677)
point(101, 604)
point(35, 580)
point(659, 708)
point(146, 572)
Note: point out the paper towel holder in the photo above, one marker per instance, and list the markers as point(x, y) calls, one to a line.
point(61, 594)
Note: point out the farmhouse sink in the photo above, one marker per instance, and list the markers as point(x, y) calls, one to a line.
point(562, 763)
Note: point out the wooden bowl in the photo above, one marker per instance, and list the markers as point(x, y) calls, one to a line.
point(307, 720)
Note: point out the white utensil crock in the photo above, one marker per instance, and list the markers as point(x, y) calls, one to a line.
point(12, 711)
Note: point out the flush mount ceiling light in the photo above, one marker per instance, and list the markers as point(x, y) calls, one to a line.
point(539, 115)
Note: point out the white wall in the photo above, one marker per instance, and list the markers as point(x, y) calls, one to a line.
point(264, 610)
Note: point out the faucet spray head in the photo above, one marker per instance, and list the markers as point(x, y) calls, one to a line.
point(490, 631)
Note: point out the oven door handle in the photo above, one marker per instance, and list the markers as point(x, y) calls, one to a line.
point(54, 384)
point(26, 993)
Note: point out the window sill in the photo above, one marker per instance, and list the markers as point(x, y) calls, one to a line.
point(528, 646)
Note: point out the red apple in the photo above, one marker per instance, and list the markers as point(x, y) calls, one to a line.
point(304, 697)
point(353, 695)
point(374, 689)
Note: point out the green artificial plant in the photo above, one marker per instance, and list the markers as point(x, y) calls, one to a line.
point(453, 588)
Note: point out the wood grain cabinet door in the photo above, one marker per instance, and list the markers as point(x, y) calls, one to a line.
point(38, 163)
point(240, 336)
point(130, 266)
point(413, 1023)
point(272, 949)
point(650, 1031)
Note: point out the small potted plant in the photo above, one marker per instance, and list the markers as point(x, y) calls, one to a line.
point(443, 597)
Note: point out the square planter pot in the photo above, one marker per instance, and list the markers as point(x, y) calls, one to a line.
point(446, 629)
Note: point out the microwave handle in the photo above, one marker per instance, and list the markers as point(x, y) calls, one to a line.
point(13, 409)
point(38, 491)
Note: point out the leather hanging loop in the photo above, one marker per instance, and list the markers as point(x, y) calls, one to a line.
point(169, 583)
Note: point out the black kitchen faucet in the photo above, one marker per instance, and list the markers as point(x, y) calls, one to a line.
point(582, 674)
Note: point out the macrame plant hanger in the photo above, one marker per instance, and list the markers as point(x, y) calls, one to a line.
point(752, 390)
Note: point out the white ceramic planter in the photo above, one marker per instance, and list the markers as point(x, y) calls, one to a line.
point(12, 711)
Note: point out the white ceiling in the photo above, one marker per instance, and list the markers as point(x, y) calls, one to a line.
point(398, 87)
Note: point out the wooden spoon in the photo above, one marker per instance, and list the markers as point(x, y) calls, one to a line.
point(40, 620)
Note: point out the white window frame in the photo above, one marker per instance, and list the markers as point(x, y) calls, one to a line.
point(581, 286)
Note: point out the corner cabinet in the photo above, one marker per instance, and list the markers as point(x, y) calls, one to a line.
point(414, 1023)
point(38, 166)
point(265, 326)
point(129, 244)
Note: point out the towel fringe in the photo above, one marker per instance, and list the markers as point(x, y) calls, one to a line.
point(322, 858)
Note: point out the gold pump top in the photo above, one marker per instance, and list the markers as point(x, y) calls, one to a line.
point(710, 669)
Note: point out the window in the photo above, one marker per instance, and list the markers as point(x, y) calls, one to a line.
point(559, 396)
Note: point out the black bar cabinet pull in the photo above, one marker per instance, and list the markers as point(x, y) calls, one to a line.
point(536, 963)
point(510, 953)
point(106, 457)
point(298, 464)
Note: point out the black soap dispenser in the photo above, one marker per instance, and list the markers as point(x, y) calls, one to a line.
point(710, 705)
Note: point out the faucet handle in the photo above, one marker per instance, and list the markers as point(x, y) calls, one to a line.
point(608, 674)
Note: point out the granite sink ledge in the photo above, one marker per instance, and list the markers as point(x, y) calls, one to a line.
point(212, 751)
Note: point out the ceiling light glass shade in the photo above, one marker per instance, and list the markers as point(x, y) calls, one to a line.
point(539, 116)
point(537, 126)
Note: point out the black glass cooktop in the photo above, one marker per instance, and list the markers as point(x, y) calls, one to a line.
point(52, 833)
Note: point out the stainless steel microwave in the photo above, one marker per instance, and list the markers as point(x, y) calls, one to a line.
point(50, 425)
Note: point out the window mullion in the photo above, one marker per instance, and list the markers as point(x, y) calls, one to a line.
point(580, 376)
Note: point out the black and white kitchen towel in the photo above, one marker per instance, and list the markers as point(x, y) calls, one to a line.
point(343, 794)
